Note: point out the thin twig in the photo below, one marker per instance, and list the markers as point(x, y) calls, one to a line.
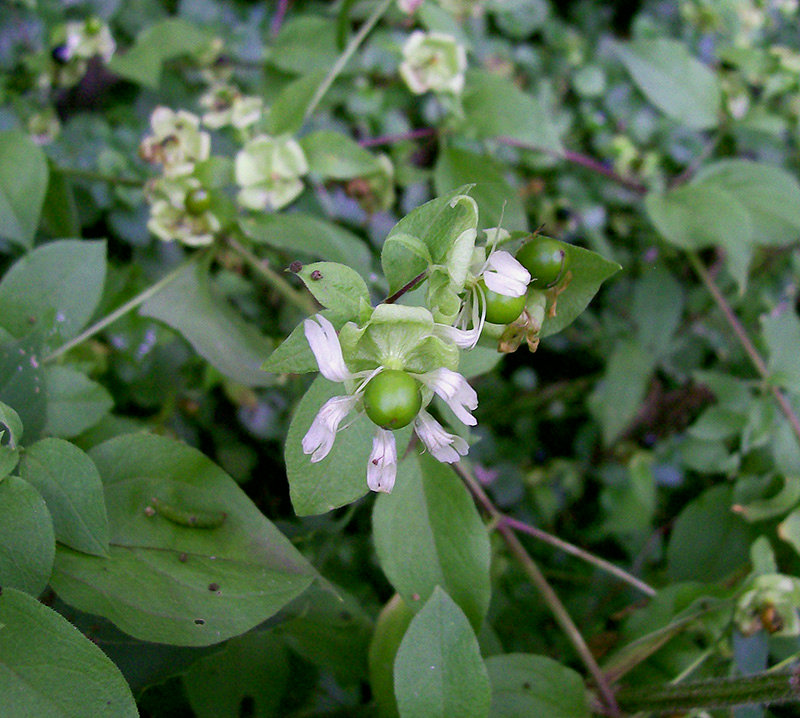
point(419, 134)
point(748, 346)
point(277, 18)
point(407, 287)
point(130, 305)
point(301, 300)
point(578, 552)
point(543, 586)
point(344, 58)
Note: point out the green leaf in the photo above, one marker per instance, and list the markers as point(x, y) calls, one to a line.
point(496, 198)
point(60, 216)
point(334, 155)
point(390, 627)
point(71, 487)
point(341, 477)
point(161, 41)
point(168, 579)
point(495, 107)
point(303, 235)
point(191, 306)
point(760, 509)
point(23, 385)
point(305, 44)
point(428, 533)
point(782, 335)
point(27, 542)
point(769, 194)
point(23, 184)
point(41, 654)
point(10, 435)
point(336, 286)
point(55, 289)
point(287, 113)
point(789, 530)
point(438, 671)
point(294, 355)
point(252, 668)
point(589, 271)
point(709, 541)
point(525, 685)
point(657, 308)
point(74, 402)
point(674, 81)
point(618, 396)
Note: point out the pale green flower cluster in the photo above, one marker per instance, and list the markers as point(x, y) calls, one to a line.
point(435, 62)
point(268, 170)
point(74, 44)
point(770, 602)
point(172, 216)
point(225, 106)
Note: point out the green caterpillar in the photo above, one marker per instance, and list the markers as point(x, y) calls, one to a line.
point(192, 518)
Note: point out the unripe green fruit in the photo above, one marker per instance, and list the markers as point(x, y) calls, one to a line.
point(197, 201)
point(545, 259)
point(392, 399)
point(501, 309)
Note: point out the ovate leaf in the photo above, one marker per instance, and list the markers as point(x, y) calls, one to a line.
point(69, 482)
point(438, 672)
point(335, 286)
point(201, 565)
point(674, 81)
point(23, 385)
point(334, 155)
point(428, 533)
point(41, 654)
point(23, 184)
point(782, 335)
point(74, 402)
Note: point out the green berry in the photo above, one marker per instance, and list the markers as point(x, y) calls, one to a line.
point(197, 201)
point(501, 309)
point(545, 259)
point(392, 399)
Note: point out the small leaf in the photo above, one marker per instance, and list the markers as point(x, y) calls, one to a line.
point(27, 541)
point(674, 81)
point(69, 482)
point(159, 42)
point(74, 402)
point(782, 335)
point(334, 155)
point(335, 286)
point(287, 113)
point(528, 685)
point(428, 533)
point(301, 236)
point(23, 184)
point(306, 43)
point(173, 581)
point(22, 384)
point(760, 509)
point(190, 305)
point(55, 288)
point(438, 672)
point(60, 211)
point(495, 107)
point(41, 654)
point(252, 669)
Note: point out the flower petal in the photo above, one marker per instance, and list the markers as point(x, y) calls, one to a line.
point(324, 343)
point(505, 275)
point(382, 466)
point(445, 447)
point(454, 390)
point(319, 438)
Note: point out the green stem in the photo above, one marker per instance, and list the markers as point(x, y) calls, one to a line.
point(344, 58)
point(301, 300)
point(766, 687)
point(549, 596)
point(98, 177)
point(749, 348)
point(122, 311)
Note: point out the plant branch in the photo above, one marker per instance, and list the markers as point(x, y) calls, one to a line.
point(578, 552)
point(121, 311)
point(399, 137)
point(766, 687)
point(98, 177)
point(301, 300)
point(748, 346)
point(407, 287)
point(348, 52)
point(545, 589)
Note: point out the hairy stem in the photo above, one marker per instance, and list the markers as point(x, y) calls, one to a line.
point(349, 51)
point(301, 300)
point(749, 348)
point(400, 137)
point(121, 311)
point(542, 585)
point(766, 687)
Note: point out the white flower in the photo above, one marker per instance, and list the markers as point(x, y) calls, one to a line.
point(382, 465)
point(454, 390)
point(433, 61)
point(268, 171)
point(227, 106)
point(319, 439)
point(176, 142)
point(503, 274)
point(445, 447)
point(87, 38)
point(324, 342)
